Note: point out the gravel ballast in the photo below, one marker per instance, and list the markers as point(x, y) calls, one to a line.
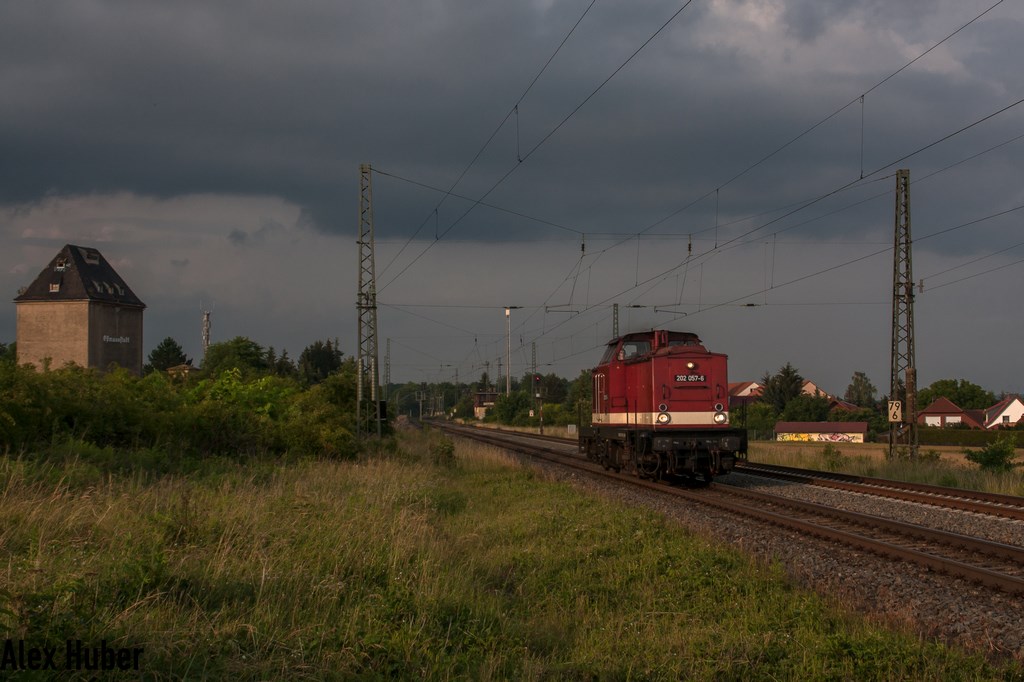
point(899, 593)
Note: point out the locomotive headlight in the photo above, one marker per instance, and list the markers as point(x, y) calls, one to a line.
point(664, 418)
point(721, 417)
point(691, 365)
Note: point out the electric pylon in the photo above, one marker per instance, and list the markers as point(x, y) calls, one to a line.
point(366, 304)
point(903, 397)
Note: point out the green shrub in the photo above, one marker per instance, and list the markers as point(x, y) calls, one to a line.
point(997, 456)
point(834, 459)
point(442, 452)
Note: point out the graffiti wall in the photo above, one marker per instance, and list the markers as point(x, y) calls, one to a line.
point(821, 437)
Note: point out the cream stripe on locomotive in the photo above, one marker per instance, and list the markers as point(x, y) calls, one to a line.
point(678, 418)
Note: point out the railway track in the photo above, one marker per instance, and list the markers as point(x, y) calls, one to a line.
point(1005, 506)
point(992, 564)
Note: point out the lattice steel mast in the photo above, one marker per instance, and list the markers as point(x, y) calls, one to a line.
point(206, 331)
point(903, 432)
point(366, 304)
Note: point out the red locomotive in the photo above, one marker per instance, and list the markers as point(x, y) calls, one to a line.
point(660, 409)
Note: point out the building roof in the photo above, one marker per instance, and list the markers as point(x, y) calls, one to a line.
point(80, 273)
point(840, 404)
point(941, 405)
point(993, 413)
point(944, 407)
point(742, 389)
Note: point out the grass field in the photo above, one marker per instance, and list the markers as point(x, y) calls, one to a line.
point(418, 562)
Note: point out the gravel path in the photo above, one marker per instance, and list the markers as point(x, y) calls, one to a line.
point(930, 604)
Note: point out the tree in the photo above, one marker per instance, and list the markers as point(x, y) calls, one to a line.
point(319, 360)
point(240, 353)
point(806, 408)
point(512, 409)
point(552, 387)
point(962, 393)
point(861, 392)
point(284, 367)
point(168, 353)
point(581, 390)
point(760, 418)
point(9, 353)
point(781, 388)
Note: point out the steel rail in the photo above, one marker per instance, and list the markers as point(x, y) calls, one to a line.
point(724, 497)
point(1006, 506)
point(979, 502)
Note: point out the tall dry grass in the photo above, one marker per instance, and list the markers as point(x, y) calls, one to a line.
point(397, 567)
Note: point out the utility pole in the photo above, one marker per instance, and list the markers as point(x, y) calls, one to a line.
point(387, 369)
point(366, 304)
point(538, 393)
point(902, 413)
point(615, 320)
point(534, 388)
point(508, 346)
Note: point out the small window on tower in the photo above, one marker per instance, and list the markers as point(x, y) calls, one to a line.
point(61, 265)
point(54, 287)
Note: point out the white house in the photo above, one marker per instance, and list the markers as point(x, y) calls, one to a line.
point(1004, 414)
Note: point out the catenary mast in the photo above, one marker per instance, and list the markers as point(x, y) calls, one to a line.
point(366, 305)
point(902, 411)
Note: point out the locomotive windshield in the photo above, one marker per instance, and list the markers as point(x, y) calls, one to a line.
point(634, 349)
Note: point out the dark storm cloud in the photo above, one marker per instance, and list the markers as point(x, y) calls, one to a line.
point(170, 99)
point(191, 97)
point(188, 134)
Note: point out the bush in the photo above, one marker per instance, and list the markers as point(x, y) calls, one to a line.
point(997, 456)
point(833, 457)
point(225, 415)
point(442, 452)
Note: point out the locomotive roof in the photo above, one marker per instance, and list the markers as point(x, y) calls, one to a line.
point(672, 336)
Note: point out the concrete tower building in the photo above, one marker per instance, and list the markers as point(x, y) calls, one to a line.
point(80, 310)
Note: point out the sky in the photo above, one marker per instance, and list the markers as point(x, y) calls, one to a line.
point(725, 167)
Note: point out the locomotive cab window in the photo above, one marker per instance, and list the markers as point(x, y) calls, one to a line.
point(634, 349)
point(609, 355)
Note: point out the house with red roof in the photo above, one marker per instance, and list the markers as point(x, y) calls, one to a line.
point(943, 413)
point(744, 393)
point(1005, 414)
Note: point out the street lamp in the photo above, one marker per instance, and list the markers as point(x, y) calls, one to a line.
point(508, 347)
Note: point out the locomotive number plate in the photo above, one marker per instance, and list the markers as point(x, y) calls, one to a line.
point(690, 378)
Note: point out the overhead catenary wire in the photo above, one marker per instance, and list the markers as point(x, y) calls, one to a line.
point(802, 206)
point(486, 144)
point(540, 143)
